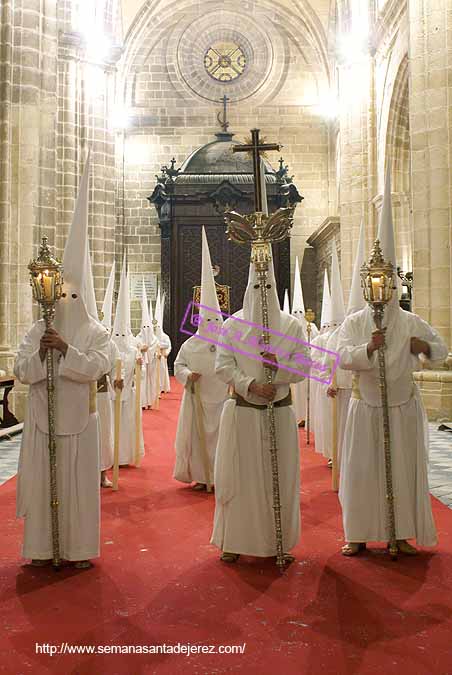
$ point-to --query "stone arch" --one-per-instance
(397, 159)
(302, 28)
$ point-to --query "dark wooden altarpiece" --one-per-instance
(210, 181)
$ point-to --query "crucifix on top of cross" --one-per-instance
(257, 228)
(255, 148)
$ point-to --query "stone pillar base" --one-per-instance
(19, 396)
(436, 390)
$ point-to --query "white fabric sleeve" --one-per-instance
(227, 370)
(353, 356)
(290, 376)
(438, 348)
(28, 367)
(181, 369)
(86, 366)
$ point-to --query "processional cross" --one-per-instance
(261, 231)
(256, 147)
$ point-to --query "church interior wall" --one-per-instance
(174, 108)
(343, 119)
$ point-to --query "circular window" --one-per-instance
(225, 61)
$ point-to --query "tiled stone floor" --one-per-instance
(9, 457)
(440, 470)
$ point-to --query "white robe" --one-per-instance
(196, 356)
(363, 486)
(165, 345)
(105, 412)
(299, 390)
(321, 405)
(127, 433)
(244, 517)
(148, 370)
(77, 432)
(344, 389)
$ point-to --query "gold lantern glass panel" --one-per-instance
(46, 276)
(377, 278)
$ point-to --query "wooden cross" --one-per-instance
(256, 147)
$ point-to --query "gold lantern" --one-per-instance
(46, 280)
(377, 278)
(46, 276)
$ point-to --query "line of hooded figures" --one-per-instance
(222, 440)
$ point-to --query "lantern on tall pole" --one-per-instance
(377, 280)
(46, 280)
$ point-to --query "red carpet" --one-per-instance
(160, 582)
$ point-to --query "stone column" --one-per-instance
(430, 28)
(6, 48)
(357, 164)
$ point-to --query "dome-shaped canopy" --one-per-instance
(217, 158)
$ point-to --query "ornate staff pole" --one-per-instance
(261, 231)
(377, 279)
(46, 279)
(310, 317)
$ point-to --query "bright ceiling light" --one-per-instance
(328, 106)
(353, 46)
(98, 45)
(120, 118)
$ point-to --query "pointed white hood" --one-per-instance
(337, 294)
(356, 300)
(129, 325)
(158, 330)
(297, 300)
(211, 318)
(107, 306)
(325, 319)
(90, 294)
(162, 307)
(386, 224)
(387, 237)
(286, 305)
(151, 314)
(209, 296)
(394, 319)
(72, 311)
(121, 332)
(252, 306)
(158, 308)
(147, 329)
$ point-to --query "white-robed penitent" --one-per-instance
(196, 440)
(244, 516)
(77, 424)
(127, 346)
(321, 405)
(148, 340)
(363, 485)
(299, 390)
(343, 379)
(104, 385)
(164, 343)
